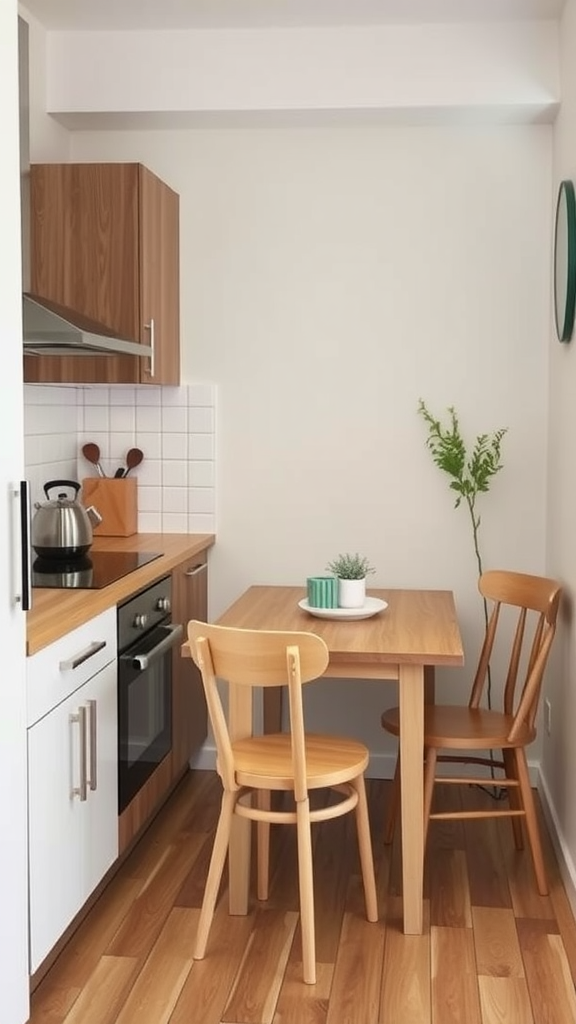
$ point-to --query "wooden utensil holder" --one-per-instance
(116, 501)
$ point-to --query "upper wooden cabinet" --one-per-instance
(104, 241)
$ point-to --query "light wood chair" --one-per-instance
(524, 610)
(293, 762)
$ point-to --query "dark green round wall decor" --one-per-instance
(565, 261)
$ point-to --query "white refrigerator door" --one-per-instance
(13, 848)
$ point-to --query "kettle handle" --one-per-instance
(61, 483)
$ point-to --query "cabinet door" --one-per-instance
(84, 255)
(189, 601)
(72, 842)
(160, 279)
(84, 241)
(104, 242)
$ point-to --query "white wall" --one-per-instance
(330, 277)
(48, 140)
(426, 73)
(558, 769)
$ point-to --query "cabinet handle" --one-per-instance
(197, 569)
(152, 368)
(143, 661)
(79, 659)
(23, 596)
(81, 790)
(93, 710)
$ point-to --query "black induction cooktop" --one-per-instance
(93, 571)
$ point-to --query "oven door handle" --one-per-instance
(143, 661)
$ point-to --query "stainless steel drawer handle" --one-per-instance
(151, 371)
(82, 789)
(79, 659)
(93, 710)
(197, 569)
(143, 661)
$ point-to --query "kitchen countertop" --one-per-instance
(56, 612)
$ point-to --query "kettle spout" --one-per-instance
(93, 515)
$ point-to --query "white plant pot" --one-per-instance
(351, 593)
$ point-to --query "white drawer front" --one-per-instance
(56, 671)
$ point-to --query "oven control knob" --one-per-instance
(163, 604)
(140, 620)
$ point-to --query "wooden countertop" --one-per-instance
(55, 612)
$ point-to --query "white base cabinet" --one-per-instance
(72, 780)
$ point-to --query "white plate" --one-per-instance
(371, 606)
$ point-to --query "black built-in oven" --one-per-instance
(146, 636)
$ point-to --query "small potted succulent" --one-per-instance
(351, 571)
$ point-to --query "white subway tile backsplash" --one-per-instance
(149, 418)
(60, 447)
(202, 499)
(149, 395)
(123, 418)
(44, 394)
(174, 397)
(32, 450)
(35, 420)
(201, 474)
(96, 419)
(201, 524)
(174, 446)
(149, 473)
(174, 427)
(174, 499)
(96, 394)
(201, 446)
(149, 522)
(150, 443)
(175, 473)
(201, 420)
(174, 522)
(149, 498)
(120, 395)
(174, 419)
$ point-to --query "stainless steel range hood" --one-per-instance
(55, 330)
(49, 329)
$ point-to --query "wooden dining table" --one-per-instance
(416, 631)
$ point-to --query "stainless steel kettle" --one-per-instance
(62, 527)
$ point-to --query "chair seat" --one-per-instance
(266, 761)
(463, 728)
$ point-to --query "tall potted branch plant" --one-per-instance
(471, 473)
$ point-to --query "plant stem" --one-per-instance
(470, 501)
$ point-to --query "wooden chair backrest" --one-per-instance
(256, 658)
(533, 603)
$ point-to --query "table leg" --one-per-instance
(240, 726)
(429, 684)
(272, 708)
(411, 693)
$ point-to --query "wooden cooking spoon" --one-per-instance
(133, 458)
(91, 452)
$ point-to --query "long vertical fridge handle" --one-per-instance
(23, 594)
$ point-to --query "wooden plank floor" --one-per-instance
(493, 951)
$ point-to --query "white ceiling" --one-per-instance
(175, 14)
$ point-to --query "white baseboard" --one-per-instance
(563, 855)
(205, 758)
